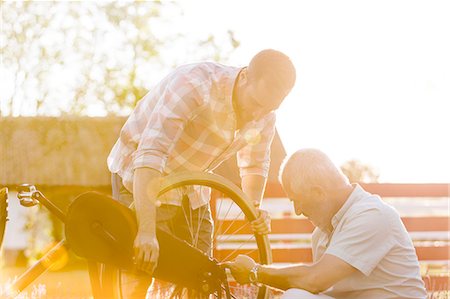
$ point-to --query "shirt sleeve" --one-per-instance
(178, 102)
(254, 158)
(364, 240)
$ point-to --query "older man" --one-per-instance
(361, 249)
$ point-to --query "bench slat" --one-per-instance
(420, 224)
(304, 255)
(303, 225)
(382, 189)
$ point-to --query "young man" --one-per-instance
(360, 247)
(194, 119)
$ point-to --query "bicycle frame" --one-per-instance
(29, 196)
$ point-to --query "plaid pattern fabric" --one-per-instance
(187, 122)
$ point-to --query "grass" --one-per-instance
(51, 285)
(74, 284)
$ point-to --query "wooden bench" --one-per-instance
(290, 237)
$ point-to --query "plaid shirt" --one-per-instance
(187, 122)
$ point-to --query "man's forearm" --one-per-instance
(254, 186)
(283, 278)
(145, 190)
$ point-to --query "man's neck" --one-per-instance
(342, 194)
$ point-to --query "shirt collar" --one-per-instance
(356, 194)
(228, 85)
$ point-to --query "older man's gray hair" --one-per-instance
(309, 167)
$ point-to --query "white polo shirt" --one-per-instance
(370, 236)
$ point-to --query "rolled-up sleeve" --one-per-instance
(254, 158)
(178, 102)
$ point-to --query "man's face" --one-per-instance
(258, 99)
(309, 203)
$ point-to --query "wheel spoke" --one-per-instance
(235, 207)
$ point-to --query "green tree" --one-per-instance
(89, 57)
(356, 171)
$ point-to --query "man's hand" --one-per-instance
(145, 189)
(240, 268)
(262, 224)
(146, 251)
(253, 186)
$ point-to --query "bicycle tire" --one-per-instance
(111, 277)
(3, 212)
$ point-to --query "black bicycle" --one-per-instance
(102, 230)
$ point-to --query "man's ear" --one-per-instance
(243, 76)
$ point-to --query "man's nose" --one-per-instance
(302, 214)
(298, 211)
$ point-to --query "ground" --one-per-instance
(72, 284)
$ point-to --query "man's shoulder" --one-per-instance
(204, 72)
(373, 209)
(205, 66)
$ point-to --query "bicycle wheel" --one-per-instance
(3, 212)
(232, 235)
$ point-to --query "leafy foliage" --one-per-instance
(92, 57)
(356, 171)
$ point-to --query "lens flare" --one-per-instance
(252, 136)
(57, 258)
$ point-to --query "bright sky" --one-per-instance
(373, 76)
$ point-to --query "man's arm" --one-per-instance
(145, 190)
(253, 186)
(178, 102)
(314, 278)
(254, 163)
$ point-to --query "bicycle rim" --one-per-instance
(3, 212)
(232, 215)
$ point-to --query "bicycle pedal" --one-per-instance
(25, 195)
